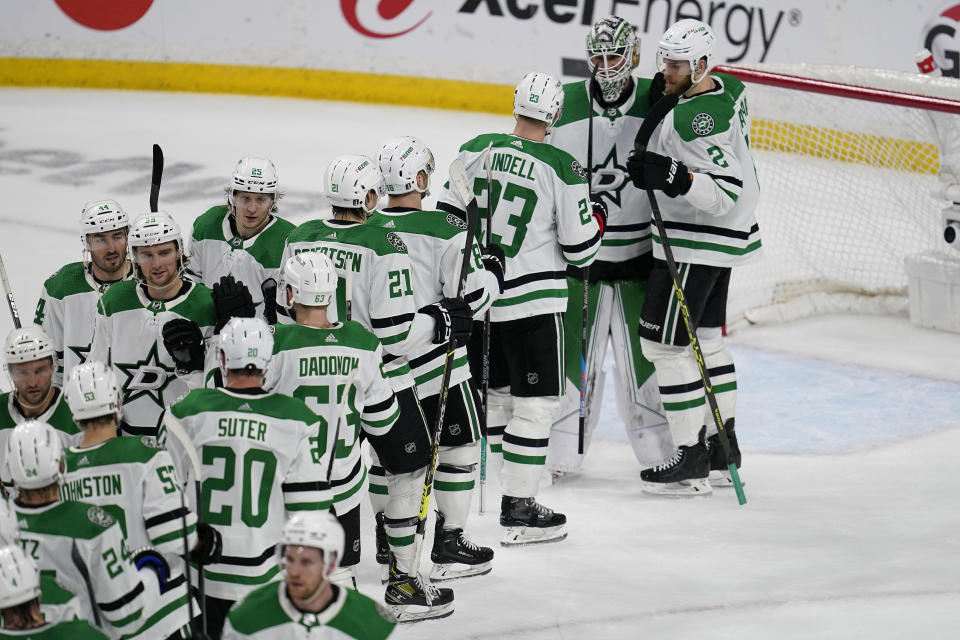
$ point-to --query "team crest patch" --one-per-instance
(397, 243)
(150, 442)
(96, 515)
(455, 221)
(577, 169)
(702, 124)
(410, 447)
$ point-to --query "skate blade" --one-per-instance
(722, 480)
(684, 489)
(416, 613)
(518, 536)
(456, 570)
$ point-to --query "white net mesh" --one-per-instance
(846, 194)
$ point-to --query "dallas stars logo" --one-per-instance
(148, 377)
(609, 178)
(80, 352)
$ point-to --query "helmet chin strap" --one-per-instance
(26, 405)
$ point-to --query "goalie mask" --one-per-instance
(688, 40)
(92, 391)
(19, 577)
(401, 160)
(612, 47)
(539, 97)
(311, 278)
(349, 180)
(254, 175)
(34, 455)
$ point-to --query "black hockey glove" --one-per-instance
(452, 316)
(184, 342)
(660, 173)
(150, 558)
(657, 85)
(269, 291)
(209, 547)
(494, 261)
(231, 299)
(599, 211)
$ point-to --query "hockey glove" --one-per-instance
(657, 85)
(494, 261)
(184, 342)
(663, 173)
(599, 211)
(150, 558)
(269, 291)
(209, 547)
(231, 299)
(452, 316)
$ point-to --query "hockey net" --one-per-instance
(850, 161)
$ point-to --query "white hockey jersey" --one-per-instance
(262, 456)
(435, 241)
(67, 311)
(627, 232)
(57, 416)
(541, 218)
(715, 222)
(129, 337)
(134, 480)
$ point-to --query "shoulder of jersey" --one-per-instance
(198, 306)
(708, 114)
(309, 231)
(72, 519)
(362, 616)
(481, 142)
(69, 280)
(116, 451)
(295, 336)
(6, 421)
(121, 296)
(575, 107)
(436, 224)
(564, 165)
(259, 610)
(375, 238)
(209, 224)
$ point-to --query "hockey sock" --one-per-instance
(723, 375)
(401, 513)
(454, 482)
(498, 415)
(681, 389)
(525, 443)
(377, 488)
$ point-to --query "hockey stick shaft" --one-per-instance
(485, 345)
(155, 177)
(458, 180)
(585, 315)
(11, 302)
(664, 105)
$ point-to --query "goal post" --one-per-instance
(855, 166)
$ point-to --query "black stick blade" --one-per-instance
(155, 178)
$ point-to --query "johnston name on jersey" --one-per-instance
(715, 222)
(129, 336)
(542, 219)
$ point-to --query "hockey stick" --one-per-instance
(460, 183)
(14, 312)
(656, 115)
(585, 318)
(186, 554)
(155, 178)
(176, 429)
(485, 376)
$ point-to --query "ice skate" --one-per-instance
(719, 473)
(412, 599)
(455, 556)
(529, 522)
(685, 474)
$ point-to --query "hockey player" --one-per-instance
(67, 307)
(314, 360)
(543, 219)
(618, 277)
(20, 606)
(435, 242)
(243, 238)
(260, 455)
(153, 329)
(134, 480)
(701, 161)
(79, 542)
(307, 597)
(375, 266)
(30, 362)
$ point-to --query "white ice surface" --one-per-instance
(850, 426)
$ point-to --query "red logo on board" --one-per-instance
(105, 15)
(386, 9)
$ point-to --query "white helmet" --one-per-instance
(539, 96)
(614, 40)
(27, 344)
(254, 175)
(92, 391)
(19, 577)
(348, 180)
(9, 527)
(312, 279)
(688, 40)
(101, 215)
(318, 529)
(151, 229)
(246, 342)
(401, 161)
(34, 455)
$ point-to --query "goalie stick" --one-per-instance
(485, 368)
(155, 177)
(14, 311)
(585, 317)
(650, 122)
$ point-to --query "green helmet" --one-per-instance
(613, 47)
